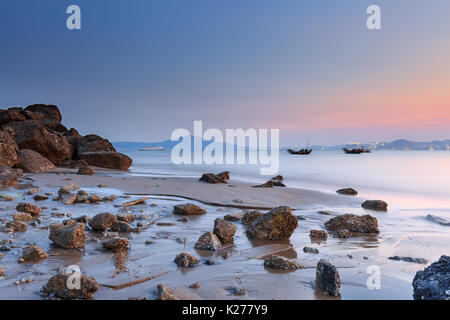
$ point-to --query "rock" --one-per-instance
(188, 209)
(8, 150)
(268, 184)
(126, 217)
(94, 198)
(31, 161)
(409, 259)
(210, 262)
(353, 223)
(238, 291)
(164, 293)
(86, 171)
(310, 250)
(32, 209)
(73, 136)
(301, 218)
(2, 270)
(75, 164)
(250, 216)
(33, 135)
(344, 233)
(50, 112)
(39, 197)
(17, 226)
(32, 253)
(327, 278)
(348, 192)
(278, 181)
(184, 219)
(281, 263)
(233, 217)
(375, 205)
(58, 286)
(208, 241)
(224, 175)
(32, 191)
(11, 115)
(195, 285)
(68, 198)
(116, 244)
(212, 178)
(186, 260)
(8, 176)
(22, 217)
(439, 220)
(94, 143)
(6, 197)
(68, 237)
(318, 234)
(433, 283)
(325, 213)
(102, 221)
(224, 230)
(68, 187)
(121, 226)
(278, 224)
(106, 159)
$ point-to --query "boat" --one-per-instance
(356, 150)
(301, 151)
(152, 149)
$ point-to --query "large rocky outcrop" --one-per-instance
(105, 159)
(433, 283)
(32, 161)
(278, 224)
(32, 134)
(8, 150)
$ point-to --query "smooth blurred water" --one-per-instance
(422, 178)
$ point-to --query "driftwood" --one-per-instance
(133, 283)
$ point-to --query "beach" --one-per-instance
(237, 265)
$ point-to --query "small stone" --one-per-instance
(233, 217)
(68, 237)
(238, 291)
(301, 218)
(32, 191)
(186, 260)
(188, 209)
(57, 286)
(17, 226)
(164, 293)
(310, 250)
(39, 197)
(32, 253)
(318, 234)
(281, 263)
(184, 219)
(224, 230)
(326, 213)
(68, 198)
(375, 205)
(126, 217)
(121, 226)
(116, 244)
(32, 209)
(2, 270)
(102, 221)
(348, 192)
(86, 171)
(94, 198)
(409, 259)
(20, 216)
(208, 241)
(327, 278)
(195, 285)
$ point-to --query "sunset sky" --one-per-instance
(140, 69)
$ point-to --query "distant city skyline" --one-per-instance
(138, 70)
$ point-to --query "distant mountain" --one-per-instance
(401, 144)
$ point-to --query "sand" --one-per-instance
(239, 265)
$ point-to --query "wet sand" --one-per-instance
(403, 232)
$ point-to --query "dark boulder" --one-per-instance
(278, 224)
(105, 159)
(34, 162)
(188, 209)
(433, 283)
(375, 205)
(353, 223)
(318, 234)
(72, 236)
(208, 241)
(224, 230)
(102, 221)
(11, 115)
(186, 260)
(33, 135)
(59, 287)
(51, 112)
(327, 278)
(280, 263)
(212, 178)
(348, 192)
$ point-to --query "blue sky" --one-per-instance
(139, 69)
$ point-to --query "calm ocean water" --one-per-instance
(417, 179)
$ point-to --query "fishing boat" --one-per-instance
(356, 150)
(301, 151)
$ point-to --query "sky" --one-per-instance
(137, 70)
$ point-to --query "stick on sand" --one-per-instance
(132, 283)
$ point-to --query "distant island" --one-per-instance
(401, 144)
